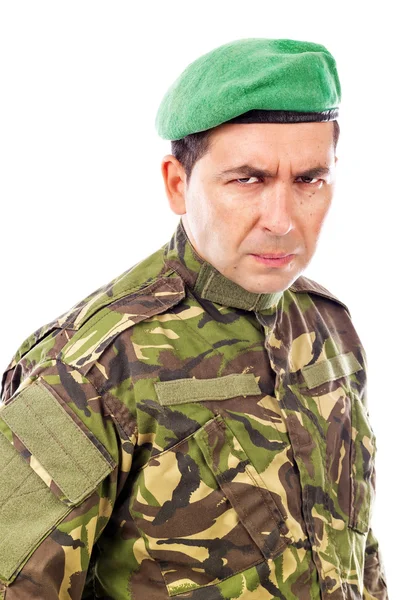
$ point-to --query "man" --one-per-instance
(198, 427)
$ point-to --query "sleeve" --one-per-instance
(375, 586)
(60, 474)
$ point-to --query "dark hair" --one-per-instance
(192, 147)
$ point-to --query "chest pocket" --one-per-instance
(202, 508)
(337, 386)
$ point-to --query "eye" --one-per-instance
(244, 179)
(311, 180)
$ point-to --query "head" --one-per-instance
(277, 204)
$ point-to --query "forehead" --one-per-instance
(271, 140)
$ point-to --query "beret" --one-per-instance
(273, 80)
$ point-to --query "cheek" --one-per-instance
(211, 222)
(315, 217)
(201, 212)
(221, 216)
(315, 206)
(312, 225)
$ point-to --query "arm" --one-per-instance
(375, 587)
(60, 475)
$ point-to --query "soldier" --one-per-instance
(198, 427)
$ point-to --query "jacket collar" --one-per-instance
(205, 281)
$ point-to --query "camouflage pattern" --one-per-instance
(238, 456)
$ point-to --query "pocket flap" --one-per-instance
(180, 391)
(244, 487)
(330, 369)
(51, 436)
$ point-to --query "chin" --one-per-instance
(267, 290)
(280, 284)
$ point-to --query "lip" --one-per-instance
(277, 255)
(274, 260)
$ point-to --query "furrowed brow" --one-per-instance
(249, 171)
(315, 172)
(246, 170)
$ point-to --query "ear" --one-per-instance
(174, 182)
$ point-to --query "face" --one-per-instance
(261, 189)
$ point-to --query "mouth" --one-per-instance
(271, 255)
(274, 260)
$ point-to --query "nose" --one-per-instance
(276, 209)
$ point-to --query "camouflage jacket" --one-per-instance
(173, 435)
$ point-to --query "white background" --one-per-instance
(81, 193)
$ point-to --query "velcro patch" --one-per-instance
(28, 509)
(330, 369)
(50, 434)
(179, 391)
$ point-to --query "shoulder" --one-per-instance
(79, 335)
(309, 286)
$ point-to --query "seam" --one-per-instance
(195, 330)
(251, 476)
(81, 433)
(44, 530)
(255, 562)
(246, 514)
(221, 426)
(29, 476)
(357, 523)
(182, 275)
(52, 362)
(282, 544)
(259, 488)
(156, 284)
(313, 290)
(5, 465)
(329, 487)
(177, 384)
(208, 282)
(127, 288)
(353, 419)
(61, 445)
(155, 456)
(281, 434)
(305, 371)
(100, 394)
(153, 283)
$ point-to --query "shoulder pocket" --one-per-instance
(180, 391)
(330, 369)
(363, 475)
(348, 439)
(48, 465)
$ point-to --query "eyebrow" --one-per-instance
(250, 171)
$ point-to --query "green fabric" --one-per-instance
(338, 366)
(56, 441)
(299, 468)
(259, 504)
(213, 285)
(27, 506)
(248, 74)
(217, 388)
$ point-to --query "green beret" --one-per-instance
(273, 80)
